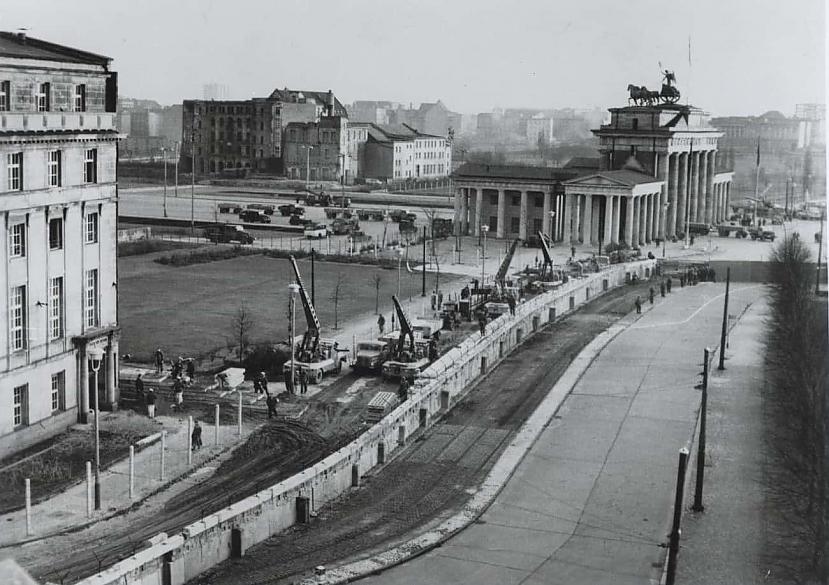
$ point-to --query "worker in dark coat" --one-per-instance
(196, 437)
(662, 288)
(650, 295)
(668, 284)
(638, 304)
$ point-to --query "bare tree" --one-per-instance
(377, 279)
(336, 293)
(242, 323)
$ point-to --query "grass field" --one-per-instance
(189, 310)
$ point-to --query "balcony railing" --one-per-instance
(49, 121)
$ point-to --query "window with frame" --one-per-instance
(55, 308)
(515, 224)
(21, 405)
(91, 301)
(17, 240)
(90, 165)
(515, 200)
(17, 317)
(54, 168)
(56, 233)
(91, 231)
(80, 97)
(14, 166)
(59, 391)
(5, 96)
(42, 97)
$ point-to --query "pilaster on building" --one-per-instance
(58, 207)
(656, 171)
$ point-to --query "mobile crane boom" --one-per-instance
(501, 275)
(545, 250)
(311, 339)
(405, 329)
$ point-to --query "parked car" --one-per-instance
(318, 231)
(291, 209)
(342, 226)
(374, 182)
(699, 229)
(254, 216)
(226, 233)
(230, 208)
(298, 220)
(268, 209)
(762, 235)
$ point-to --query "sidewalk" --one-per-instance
(724, 543)
(68, 510)
(591, 501)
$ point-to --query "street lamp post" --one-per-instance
(293, 288)
(96, 355)
(193, 183)
(552, 226)
(176, 155)
(665, 234)
(399, 258)
(164, 156)
(484, 230)
(308, 150)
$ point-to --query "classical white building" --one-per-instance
(58, 207)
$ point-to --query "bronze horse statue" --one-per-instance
(642, 95)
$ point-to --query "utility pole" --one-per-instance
(673, 545)
(423, 269)
(164, 156)
(688, 191)
(703, 414)
(313, 253)
(193, 182)
(724, 320)
(819, 251)
(175, 191)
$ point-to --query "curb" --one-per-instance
(495, 481)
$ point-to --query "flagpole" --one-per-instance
(688, 192)
(757, 182)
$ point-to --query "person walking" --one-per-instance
(662, 288)
(650, 294)
(511, 303)
(668, 284)
(159, 361)
(178, 389)
(303, 381)
(151, 403)
(191, 368)
(271, 401)
(289, 383)
(139, 389)
(195, 438)
(263, 383)
(381, 323)
(638, 303)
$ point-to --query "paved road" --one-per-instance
(437, 473)
(591, 501)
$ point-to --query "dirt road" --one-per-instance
(437, 473)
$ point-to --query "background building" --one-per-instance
(58, 145)
(401, 152)
(316, 150)
(149, 128)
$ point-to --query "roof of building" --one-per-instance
(583, 162)
(291, 95)
(21, 46)
(623, 177)
(481, 170)
(396, 132)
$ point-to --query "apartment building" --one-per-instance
(58, 207)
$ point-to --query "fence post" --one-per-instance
(89, 489)
(28, 507)
(132, 472)
(163, 447)
(724, 320)
(673, 546)
(189, 441)
(240, 414)
(698, 507)
(216, 426)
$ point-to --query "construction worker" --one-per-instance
(271, 401)
(638, 303)
(668, 284)
(650, 294)
(381, 323)
(403, 390)
(303, 381)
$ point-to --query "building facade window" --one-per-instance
(56, 233)
(80, 98)
(14, 166)
(21, 405)
(17, 317)
(90, 165)
(59, 391)
(515, 224)
(5, 96)
(91, 301)
(17, 240)
(54, 168)
(56, 308)
(42, 97)
(91, 231)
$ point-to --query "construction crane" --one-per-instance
(403, 363)
(501, 275)
(311, 338)
(405, 331)
(548, 258)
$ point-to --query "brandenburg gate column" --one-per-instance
(681, 192)
(522, 227)
(608, 219)
(694, 188)
(587, 221)
(634, 232)
(597, 210)
(502, 213)
(670, 221)
(665, 175)
(702, 207)
(567, 236)
(479, 207)
(617, 206)
(458, 207)
(629, 221)
(547, 226)
(709, 187)
(650, 215)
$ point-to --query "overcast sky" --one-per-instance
(747, 56)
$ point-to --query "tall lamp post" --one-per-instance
(176, 155)
(193, 183)
(308, 150)
(399, 258)
(484, 230)
(164, 156)
(293, 289)
(552, 226)
(96, 355)
(665, 235)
